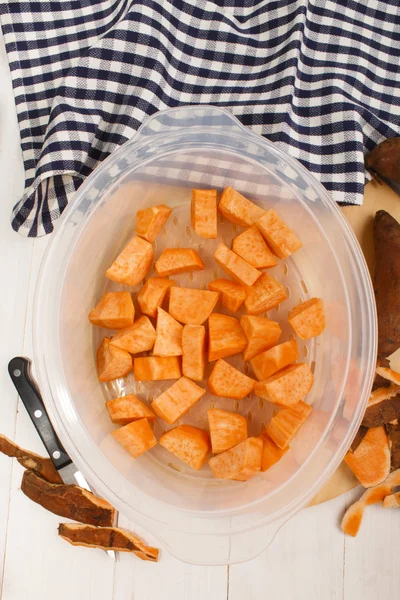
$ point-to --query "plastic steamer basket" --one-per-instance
(200, 519)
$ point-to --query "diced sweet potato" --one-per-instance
(227, 429)
(264, 294)
(112, 362)
(226, 336)
(193, 351)
(238, 209)
(150, 221)
(370, 462)
(287, 423)
(250, 245)
(114, 311)
(190, 306)
(136, 437)
(152, 294)
(156, 368)
(204, 213)
(277, 234)
(231, 294)
(261, 334)
(228, 382)
(137, 338)
(288, 386)
(190, 444)
(169, 335)
(177, 400)
(133, 264)
(308, 319)
(126, 409)
(271, 453)
(273, 360)
(178, 260)
(240, 462)
(234, 266)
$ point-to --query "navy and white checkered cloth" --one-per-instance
(320, 77)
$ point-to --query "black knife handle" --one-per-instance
(19, 369)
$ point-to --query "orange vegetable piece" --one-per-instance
(226, 336)
(177, 400)
(114, 311)
(136, 437)
(152, 294)
(392, 501)
(178, 260)
(156, 368)
(261, 334)
(190, 306)
(133, 264)
(277, 234)
(193, 351)
(264, 294)
(126, 409)
(150, 221)
(251, 246)
(308, 319)
(227, 429)
(238, 209)
(231, 294)
(287, 423)
(271, 453)
(240, 462)
(234, 266)
(288, 386)
(204, 213)
(228, 382)
(169, 335)
(137, 338)
(190, 444)
(269, 362)
(370, 461)
(112, 362)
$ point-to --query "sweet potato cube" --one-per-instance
(193, 351)
(114, 311)
(190, 306)
(250, 245)
(112, 362)
(178, 260)
(231, 294)
(287, 423)
(234, 266)
(133, 264)
(308, 319)
(288, 386)
(177, 400)
(273, 360)
(156, 368)
(227, 429)
(277, 234)
(228, 382)
(261, 334)
(150, 221)
(238, 209)
(370, 461)
(136, 437)
(169, 335)
(137, 338)
(126, 409)
(152, 294)
(204, 213)
(264, 294)
(226, 336)
(190, 444)
(271, 453)
(240, 462)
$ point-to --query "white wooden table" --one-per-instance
(310, 559)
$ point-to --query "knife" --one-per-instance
(19, 369)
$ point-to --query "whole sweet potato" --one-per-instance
(384, 159)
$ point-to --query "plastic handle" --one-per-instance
(19, 369)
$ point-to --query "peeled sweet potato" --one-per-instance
(370, 462)
(169, 335)
(128, 408)
(273, 360)
(156, 368)
(226, 336)
(271, 453)
(261, 334)
(234, 266)
(112, 362)
(383, 160)
(228, 382)
(136, 437)
(264, 294)
(30, 460)
(279, 237)
(308, 319)
(227, 429)
(150, 221)
(152, 294)
(288, 386)
(238, 209)
(133, 264)
(178, 260)
(190, 444)
(250, 246)
(284, 426)
(191, 306)
(193, 351)
(240, 462)
(137, 338)
(231, 293)
(204, 213)
(114, 311)
(177, 400)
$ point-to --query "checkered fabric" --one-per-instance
(319, 77)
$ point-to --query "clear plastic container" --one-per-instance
(200, 519)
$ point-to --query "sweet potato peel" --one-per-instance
(30, 460)
(392, 501)
(388, 374)
(383, 407)
(393, 431)
(370, 462)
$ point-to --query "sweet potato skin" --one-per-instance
(30, 460)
